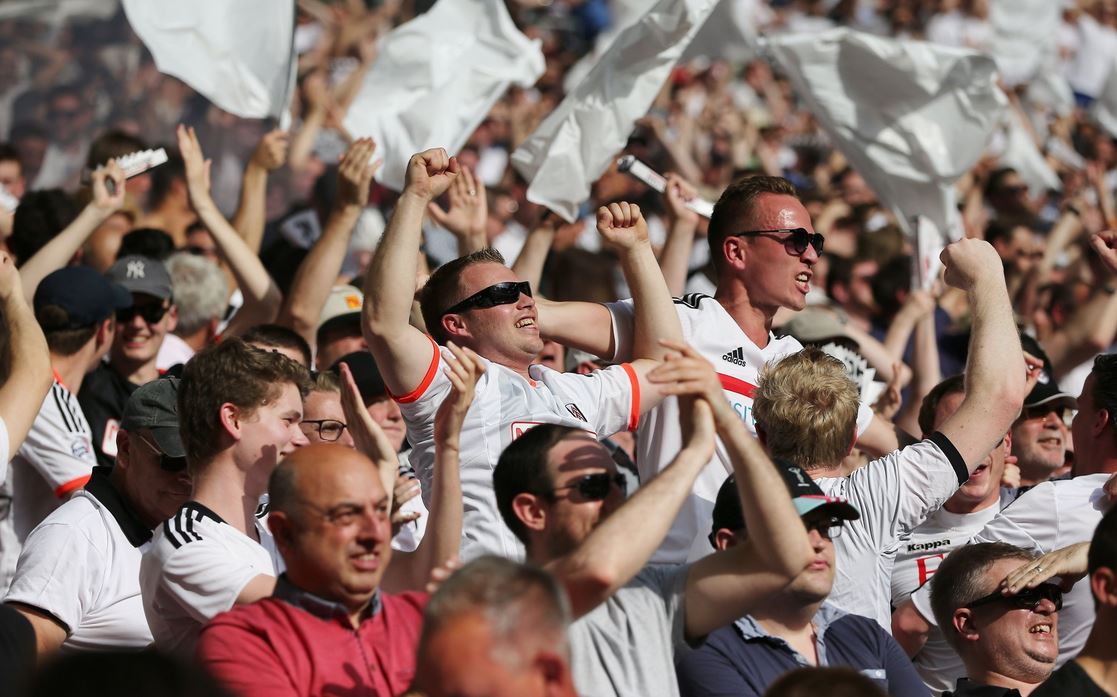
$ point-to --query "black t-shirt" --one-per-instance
(1070, 680)
(969, 688)
(103, 394)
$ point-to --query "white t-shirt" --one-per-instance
(1050, 516)
(916, 561)
(55, 460)
(506, 405)
(717, 337)
(5, 456)
(82, 566)
(894, 495)
(195, 568)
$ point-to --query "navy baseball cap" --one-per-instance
(805, 494)
(1046, 390)
(85, 295)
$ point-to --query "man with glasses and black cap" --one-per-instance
(140, 330)
(795, 626)
(478, 302)
(78, 580)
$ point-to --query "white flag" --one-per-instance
(1016, 148)
(911, 117)
(436, 78)
(1024, 33)
(576, 142)
(236, 53)
(1105, 108)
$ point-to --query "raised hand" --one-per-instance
(108, 203)
(197, 166)
(468, 214)
(406, 489)
(1070, 563)
(368, 437)
(622, 225)
(684, 372)
(463, 370)
(1104, 244)
(271, 151)
(430, 173)
(969, 260)
(678, 194)
(354, 174)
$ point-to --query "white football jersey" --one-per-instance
(713, 333)
(195, 568)
(505, 405)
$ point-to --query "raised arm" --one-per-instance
(533, 255)
(995, 371)
(729, 584)
(29, 375)
(261, 296)
(682, 223)
(402, 352)
(444, 525)
(58, 252)
(251, 215)
(320, 269)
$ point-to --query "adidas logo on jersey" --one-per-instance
(736, 356)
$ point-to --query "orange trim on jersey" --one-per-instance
(72, 485)
(728, 382)
(634, 413)
(427, 379)
(58, 379)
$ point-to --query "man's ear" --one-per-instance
(1103, 583)
(964, 624)
(231, 419)
(281, 530)
(530, 510)
(1101, 420)
(555, 673)
(454, 326)
(123, 449)
(734, 253)
(172, 318)
(724, 538)
(106, 330)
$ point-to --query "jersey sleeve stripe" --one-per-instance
(62, 411)
(634, 411)
(72, 485)
(169, 534)
(952, 454)
(432, 370)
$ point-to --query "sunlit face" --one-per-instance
(1082, 429)
(322, 405)
(271, 432)
(153, 492)
(1040, 442)
(386, 413)
(339, 540)
(772, 276)
(571, 517)
(506, 334)
(138, 340)
(984, 483)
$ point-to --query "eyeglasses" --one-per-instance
(1064, 414)
(1027, 599)
(595, 487)
(797, 241)
(828, 528)
(499, 294)
(328, 429)
(150, 313)
(166, 462)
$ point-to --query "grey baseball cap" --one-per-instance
(141, 274)
(154, 407)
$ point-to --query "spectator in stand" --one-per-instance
(339, 326)
(78, 580)
(11, 171)
(559, 490)
(201, 296)
(279, 339)
(796, 626)
(140, 330)
(806, 409)
(240, 409)
(1008, 643)
(329, 612)
(496, 628)
(1041, 435)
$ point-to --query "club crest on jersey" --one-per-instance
(736, 356)
(576, 412)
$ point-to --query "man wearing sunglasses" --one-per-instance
(1041, 434)
(764, 248)
(140, 330)
(795, 626)
(477, 302)
(78, 577)
(1008, 643)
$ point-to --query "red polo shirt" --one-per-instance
(295, 643)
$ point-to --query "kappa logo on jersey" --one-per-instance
(576, 412)
(736, 356)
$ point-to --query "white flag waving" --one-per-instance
(437, 76)
(576, 142)
(237, 53)
(911, 117)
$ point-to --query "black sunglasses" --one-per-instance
(829, 528)
(797, 241)
(166, 462)
(595, 487)
(151, 313)
(1065, 414)
(499, 294)
(1027, 599)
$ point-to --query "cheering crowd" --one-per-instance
(268, 427)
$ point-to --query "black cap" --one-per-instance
(154, 407)
(805, 494)
(365, 374)
(1046, 390)
(142, 275)
(85, 295)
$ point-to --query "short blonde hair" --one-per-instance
(806, 406)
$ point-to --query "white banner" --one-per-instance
(1024, 33)
(576, 142)
(1105, 109)
(1015, 146)
(236, 53)
(911, 117)
(436, 77)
